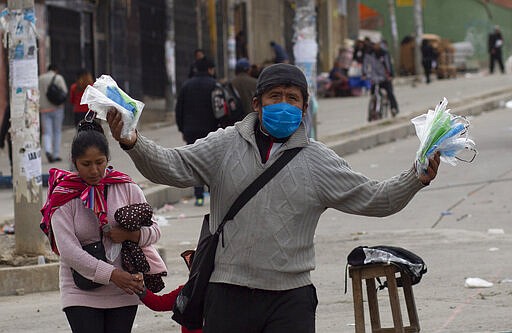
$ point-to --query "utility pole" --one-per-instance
(394, 32)
(305, 52)
(231, 47)
(418, 24)
(24, 102)
(170, 59)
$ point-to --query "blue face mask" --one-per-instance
(281, 120)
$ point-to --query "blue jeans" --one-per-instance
(51, 123)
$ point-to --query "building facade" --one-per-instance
(147, 46)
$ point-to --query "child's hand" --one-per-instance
(139, 278)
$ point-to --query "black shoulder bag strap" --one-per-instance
(257, 184)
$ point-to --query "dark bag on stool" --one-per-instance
(97, 250)
(408, 262)
(189, 306)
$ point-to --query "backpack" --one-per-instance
(55, 94)
(227, 105)
(405, 260)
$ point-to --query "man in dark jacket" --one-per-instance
(194, 111)
(495, 47)
(281, 56)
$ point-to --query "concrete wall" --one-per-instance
(331, 32)
(265, 23)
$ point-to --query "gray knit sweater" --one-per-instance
(269, 244)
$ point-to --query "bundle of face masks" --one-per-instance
(438, 130)
(105, 94)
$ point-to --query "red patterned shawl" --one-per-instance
(64, 186)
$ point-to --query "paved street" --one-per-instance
(460, 225)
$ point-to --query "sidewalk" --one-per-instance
(341, 124)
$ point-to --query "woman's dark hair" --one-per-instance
(89, 134)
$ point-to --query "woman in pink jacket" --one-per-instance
(80, 210)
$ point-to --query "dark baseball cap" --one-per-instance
(282, 75)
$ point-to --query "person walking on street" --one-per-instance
(76, 91)
(428, 56)
(78, 208)
(378, 68)
(52, 116)
(244, 84)
(194, 111)
(262, 273)
(495, 46)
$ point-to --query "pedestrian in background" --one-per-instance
(344, 56)
(338, 77)
(378, 68)
(244, 83)
(198, 55)
(78, 206)
(280, 54)
(428, 58)
(76, 91)
(261, 280)
(254, 71)
(360, 50)
(52, 116)
(194, 110)
(495, 45)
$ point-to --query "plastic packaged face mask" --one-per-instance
(105, 94)
(441, 131)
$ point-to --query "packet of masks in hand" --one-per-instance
(104, 94)
(439, 130)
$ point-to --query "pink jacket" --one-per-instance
(74, 225)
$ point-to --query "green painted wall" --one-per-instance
(456, 20)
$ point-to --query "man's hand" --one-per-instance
(428, 175)
(115, 122)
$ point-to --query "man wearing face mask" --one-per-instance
(261, 281)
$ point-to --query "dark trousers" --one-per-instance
(199, 192)
(388, 87)
(83, 319)
(235, 309)
(496, 57)
(427, 68)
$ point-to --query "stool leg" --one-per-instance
(410, 303)
(393, 299)
(373, 304)
(357, 292)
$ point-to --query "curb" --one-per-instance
(29, 279)
(385, 131)
(159, 195)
